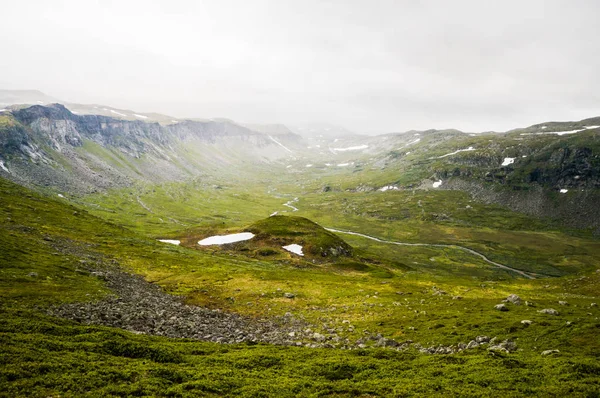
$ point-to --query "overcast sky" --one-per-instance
(371, 66)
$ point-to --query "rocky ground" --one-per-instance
(142, 307)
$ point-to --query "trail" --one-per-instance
(466, 249)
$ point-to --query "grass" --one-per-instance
(385, 289)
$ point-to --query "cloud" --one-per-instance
(370, 66)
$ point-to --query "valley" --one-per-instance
(413, 247)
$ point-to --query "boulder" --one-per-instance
(501, 307)
(549, 352)
(549, 311)
(526, 322)
(514, 299)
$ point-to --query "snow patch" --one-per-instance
(274, 214)
(3, 110)
(60, 195)
(437, 184)
(564, 190)
(544, 127)
(224, 239)
(389, 188)
(507, 161)
(280, 144)
(455, 152)
(140, 116)
(309, 165)
(288, 166)
(294, 248)
(3, 166)
(343, 164)
(351, 148)
(171, 241)
(117, 113)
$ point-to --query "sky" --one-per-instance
(371, 66)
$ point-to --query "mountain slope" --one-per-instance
(51, 146)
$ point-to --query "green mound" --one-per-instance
(274, 232)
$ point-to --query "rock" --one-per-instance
(505, 346)
(318, 337)
(514, 299)
(563, 303)
(289, 295)
(472, 344)
(501, 307)
(33, 274)
(482, 339)
(526, 322)
(456, 297)
(549, 352)
(593, 305)
(549, 311)
(529, 304)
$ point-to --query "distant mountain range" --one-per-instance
(548, 169)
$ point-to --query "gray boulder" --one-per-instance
(549, 311)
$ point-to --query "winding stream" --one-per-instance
(466, 249)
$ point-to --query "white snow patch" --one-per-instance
(458, 151)
(117, 113)
(3, 166)
(351, 148)
(274, 214)
(294, 248)
(280, 144)
(524, 156)
(544, 127)
(328, 164)
(171, 241)
(564, 190)
(288, 166)
(75, 112)
(437, 184)
(507, 161)
(224, 239)
(309, 165)
(3, 110)
(389, 188)
(408, 153)
(60, 195)
(563, 132)
(140, 116)
(343, 164)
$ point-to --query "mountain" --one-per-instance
(15, 97)
(51, 146)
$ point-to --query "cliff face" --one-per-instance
(49, 145)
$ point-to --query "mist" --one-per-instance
(372, 67)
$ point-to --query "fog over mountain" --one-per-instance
(371, 67)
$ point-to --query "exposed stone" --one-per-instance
(289, 295)
(501, 307)
(472, 344)
(550, 352)
(514, 299)
(563, 303)
(526, 322)
(549, 311)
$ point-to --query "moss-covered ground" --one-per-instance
(46, 244)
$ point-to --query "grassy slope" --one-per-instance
(43, 356)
